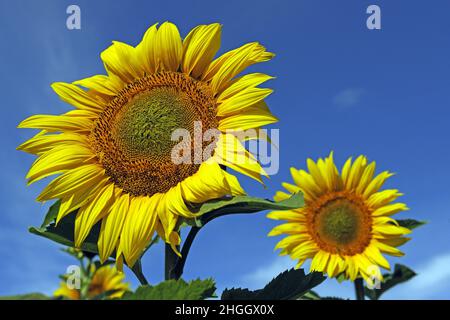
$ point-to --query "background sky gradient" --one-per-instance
(338, 86)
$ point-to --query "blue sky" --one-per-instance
(339, 86)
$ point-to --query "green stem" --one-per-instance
(179, 267)
(359, 289)
(137, 270)
(171, 259)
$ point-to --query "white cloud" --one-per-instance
(262, 276)
(349, 97)
(432, 281)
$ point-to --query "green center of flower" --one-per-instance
(146, 124)
(339, 222)
(132, 137)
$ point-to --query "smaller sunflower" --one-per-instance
(105, 279)
(346, 223)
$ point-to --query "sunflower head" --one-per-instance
(105, 280)
(113, 154)
(346, 223)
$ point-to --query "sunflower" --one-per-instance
(345, 224)
(106, 280)
(113, 152)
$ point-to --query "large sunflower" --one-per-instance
(113, 152)
(346, 223)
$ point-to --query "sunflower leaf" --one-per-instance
(175, 290)
(63, 233)
(400, 275)
(410, 223)
(242, 204)
(288, 285)
(51, 214)
(310, 295)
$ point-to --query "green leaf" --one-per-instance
(175, 290)
(288, 285)
(410, 223)
(341, 277)
(242, 204)
(28, 296)
(310, 295)
(63, 233)
(51, 214)
(400, 275)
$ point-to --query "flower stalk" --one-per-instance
(359, 289)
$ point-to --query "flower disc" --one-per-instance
(133, 136)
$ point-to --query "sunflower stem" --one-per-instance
(179, 267)
(359, 289)
(171, 260)
(137, 270)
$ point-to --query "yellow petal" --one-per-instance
(245, 99)
(139, 227)
(352, 269)
(112, 226)
(319, 262)
(58, 159)
(374, 254)
(390, 230)
(66, 122)
(388, 249)
(366, 178)
(288, 228)
(199, 48)
(251, 117)
(170, 48)
(77, 97)
(209, 182)
(72, 181)
(355, 172)
(280, 196)
(92, 212)
(226, 67)
(290, 215)
(167, 218)
(316, 174)
(346, 170)
(307, 184)
(304, 250)
(243, 83)
(394, 242)
(100, 83)
(175, 202)
(334, 266)
(390, 209)
(230, 152)
(292, 240)
(120, 60)
(383, 198)
(145, 51)
(376, 183)
(43, 142)
(72, 202)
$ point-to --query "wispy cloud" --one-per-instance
(432, 281)
(348, 98)
(261, 276)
